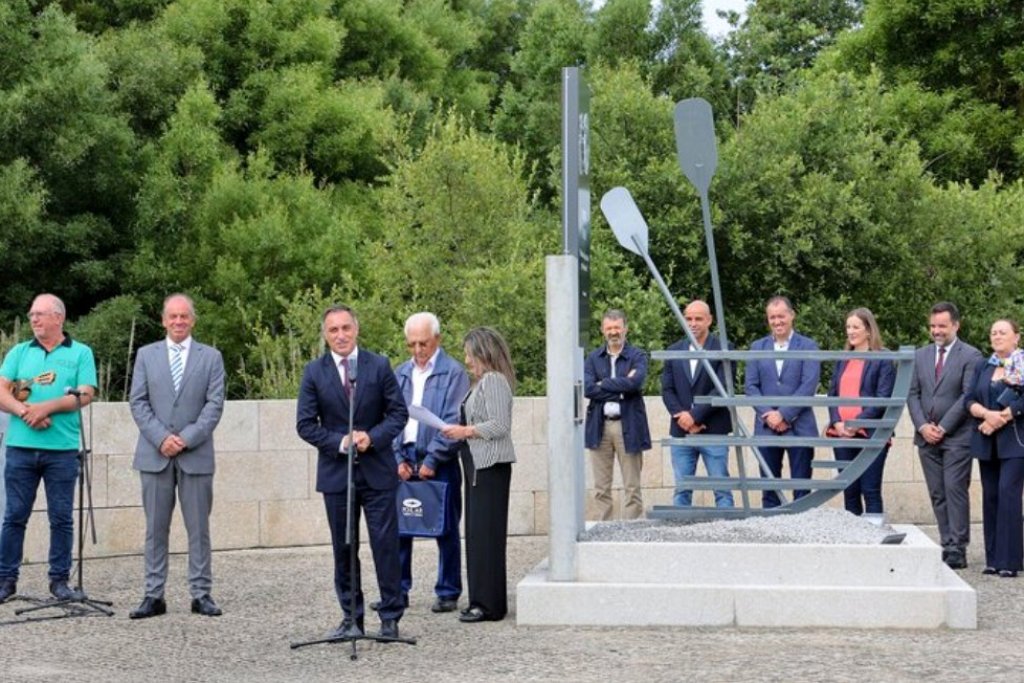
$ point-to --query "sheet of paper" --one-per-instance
(425, 417)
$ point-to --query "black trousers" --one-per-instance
(487, 493)
(1002, 482)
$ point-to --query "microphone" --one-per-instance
(71, 391)
(353, 372)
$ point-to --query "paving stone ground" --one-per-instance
(274, 597)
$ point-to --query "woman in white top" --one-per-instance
(487, 457)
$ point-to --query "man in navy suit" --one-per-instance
(328, 386)
(783, 377)
(681, 382)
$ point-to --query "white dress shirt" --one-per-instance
(185, 345)
(781, 346)
(419, 382)
(352, 358)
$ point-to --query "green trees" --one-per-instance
(830, 204)
(268, 157)
(67, 159)
(779, 38)
(970, 57)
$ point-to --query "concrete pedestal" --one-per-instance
(731, 584)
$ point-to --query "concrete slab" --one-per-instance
(754, 584)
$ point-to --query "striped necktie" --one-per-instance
(177, 367)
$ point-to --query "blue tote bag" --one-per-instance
(421, 505)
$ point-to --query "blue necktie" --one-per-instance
(177, 367)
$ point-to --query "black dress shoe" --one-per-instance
(472, 615)
(149, 607)
(955, 559)
(445, 605)
(61, 591)
(1007, 573)
(388, 628)
(349, 628)
(989, 571)
(206, 606)
(8, 587)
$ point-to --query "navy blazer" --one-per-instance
(600, 388)
(678, 389)
(799, 378)
(443, 392)
(322, 419)
(876, 381)
(1005, 443)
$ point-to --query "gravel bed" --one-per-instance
(821, 525)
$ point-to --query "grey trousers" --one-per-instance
(947, 473)
(195, 493)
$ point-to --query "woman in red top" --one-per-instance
(861, 378)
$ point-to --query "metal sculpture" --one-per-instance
(698, 159)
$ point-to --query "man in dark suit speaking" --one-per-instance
(323, 421)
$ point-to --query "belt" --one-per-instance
(613, 419)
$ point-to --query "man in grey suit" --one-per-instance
(176, 400)
(943, 372)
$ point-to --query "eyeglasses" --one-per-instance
(39, 314)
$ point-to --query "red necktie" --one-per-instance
(347, 383)
(940, 363)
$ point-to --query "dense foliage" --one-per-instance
(270, 156)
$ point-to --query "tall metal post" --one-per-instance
(565, 431)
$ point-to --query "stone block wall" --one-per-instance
(264, 488)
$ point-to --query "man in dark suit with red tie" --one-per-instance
(943, 373)
(322, 420)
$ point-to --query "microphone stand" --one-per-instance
(350, 540)
(80, 605)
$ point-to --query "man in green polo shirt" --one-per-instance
(43, 439)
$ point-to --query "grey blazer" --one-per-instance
(943, 402)
(192, 413)
(489, 409)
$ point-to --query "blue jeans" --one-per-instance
(24, 468)
(684, 464)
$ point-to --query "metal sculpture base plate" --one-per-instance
(754, 585)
